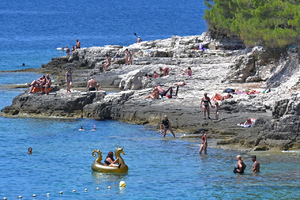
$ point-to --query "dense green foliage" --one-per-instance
(270, 23)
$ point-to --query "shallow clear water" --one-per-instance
(159, 167)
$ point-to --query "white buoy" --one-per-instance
(85, 190)
(33, 195)
(74, 190)
(108, 187)
(97, 188)
(61, 192)
(122, 184)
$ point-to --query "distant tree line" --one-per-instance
(269, 23)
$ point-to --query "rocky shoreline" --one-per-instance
(277, 112)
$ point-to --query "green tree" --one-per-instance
(270, 23)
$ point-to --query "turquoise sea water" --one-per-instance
(159, 168)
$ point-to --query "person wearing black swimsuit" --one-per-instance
(167, 126)
(205, 101)
(110, 161)
(240, 166)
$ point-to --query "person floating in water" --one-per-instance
(256, 165)
(204, 142)
(240, 166)
(94, 129)
(167, 125)
(110, 161)
(81, 128)
(29, 150)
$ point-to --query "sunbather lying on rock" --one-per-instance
(181, 83)
(248, 123)
(154, 95)
(219, 97)
(38, 83)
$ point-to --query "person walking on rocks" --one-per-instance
(68, 51)
(204, 142)
(256, 165)
(68, 77)
(205, 101)
(167, 125)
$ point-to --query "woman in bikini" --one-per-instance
(205, 101)
(110, 161)
(69, 80)
(204, 143)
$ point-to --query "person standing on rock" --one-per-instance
(138, 40)
(204, 142)
(167, 125)
(256, 165)
(91, 85)
(77, 45)
(205, 101)
(68, 77)
(128, 59)
(68, 51)
(47, 84)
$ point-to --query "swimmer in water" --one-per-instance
(81, 128)
(29, 150)
(204, 142)
(94, 129)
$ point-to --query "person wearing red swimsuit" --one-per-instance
(204, 142)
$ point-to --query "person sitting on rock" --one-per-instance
(47, 84)
(91, 85)
(107, 63)
(162, 92)
(110, 161)
(164, 71)
(154, 95)
(38, 83)
(155, 74)
(188, 71)
(73, 49)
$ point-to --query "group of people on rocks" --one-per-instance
(43, 83)
(76, 46)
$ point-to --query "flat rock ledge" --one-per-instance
(277, 112)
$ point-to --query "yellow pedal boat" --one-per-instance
(97, 166)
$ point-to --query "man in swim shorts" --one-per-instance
(38, 83)
(256, 165)
(167, 125)
(77, 45)
(91, 85)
